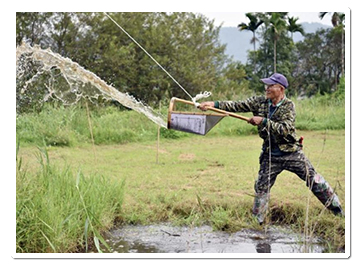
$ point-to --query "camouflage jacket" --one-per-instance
(280, 123)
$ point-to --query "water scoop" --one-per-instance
(196, 122)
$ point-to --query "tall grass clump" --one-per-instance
(321, 112)
(69, 126)
(76, 125)
(58, 210)
(51, 125)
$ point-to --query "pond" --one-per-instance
(165, 238)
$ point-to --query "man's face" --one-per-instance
(273, 91)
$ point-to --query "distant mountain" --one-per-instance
(238, 42)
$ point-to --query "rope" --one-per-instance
(199, 96)
(144, 50)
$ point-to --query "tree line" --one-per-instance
(187, 45)
(314, 65)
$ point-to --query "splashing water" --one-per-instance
(80, 82)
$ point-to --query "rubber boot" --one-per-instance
(324, 192)
(260, 207)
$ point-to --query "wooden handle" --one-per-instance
(175, 99)
(234, 115)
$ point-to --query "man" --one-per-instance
(274, 115)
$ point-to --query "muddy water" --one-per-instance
(170, 239)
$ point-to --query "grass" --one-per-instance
(320, 113)
(58, 210)
(70, 127)
(198, 180)
(70, 189)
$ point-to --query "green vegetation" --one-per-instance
(70, 127)
(186, 44)
(321, 112)
(199, 179)
(58, 210)
(96, 168)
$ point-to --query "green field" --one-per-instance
(80, 172)
(197, 180)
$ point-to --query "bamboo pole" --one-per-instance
(158, 139)
(231, 114)
(91, 130)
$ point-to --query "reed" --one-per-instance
(320, 113)
(59, 211)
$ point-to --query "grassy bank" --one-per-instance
(59, 210)
(71, 126)
(197, 180)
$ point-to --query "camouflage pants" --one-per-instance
(297, 163)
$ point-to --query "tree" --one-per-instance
(278, 27)
(293, 26)
(253, 25)
(185, 44)
(318, 68)
(64, 32)
(275, 52)
(338, 24)
(33, 27)
(312, 66)
(337, 18)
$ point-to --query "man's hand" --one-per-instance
(205, 105)
(256, 120)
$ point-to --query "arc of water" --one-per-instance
(74, 74)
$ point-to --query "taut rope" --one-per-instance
(194, 99)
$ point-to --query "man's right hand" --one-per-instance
(205, 105)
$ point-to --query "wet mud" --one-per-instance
(165, 238)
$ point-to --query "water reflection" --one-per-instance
(123, 246)
(263, 248)
(169, 239)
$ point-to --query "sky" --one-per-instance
(232, 19)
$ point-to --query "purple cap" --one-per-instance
(276, 78)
